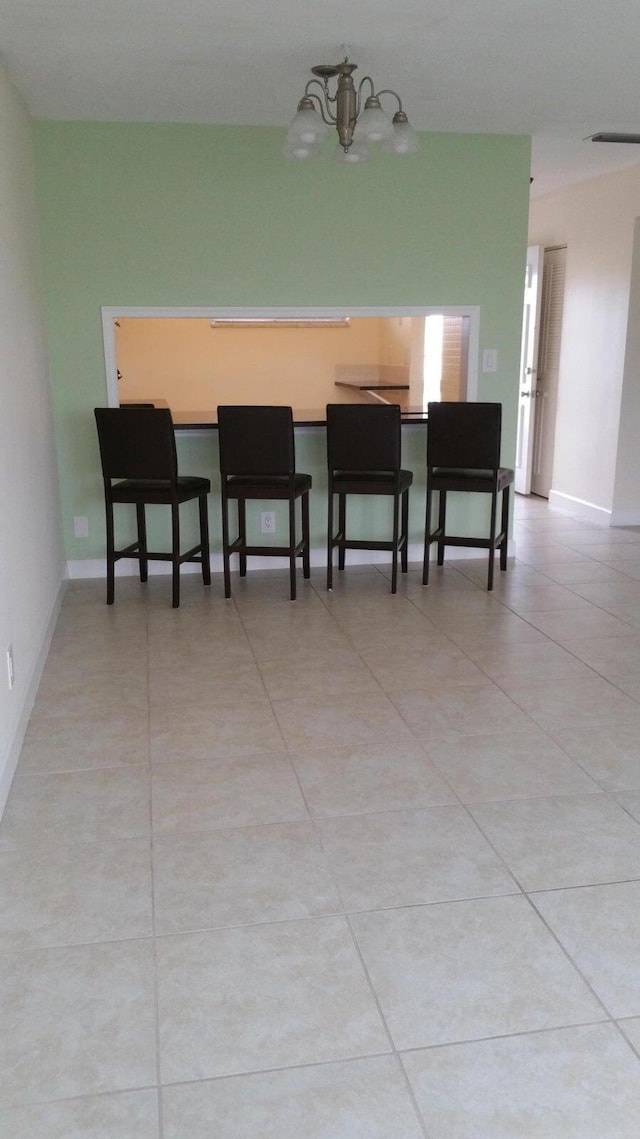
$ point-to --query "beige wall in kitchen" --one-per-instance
(195, 366)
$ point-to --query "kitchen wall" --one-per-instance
(194, 366)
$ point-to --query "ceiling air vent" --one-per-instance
(609, 136)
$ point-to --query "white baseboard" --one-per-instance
(15, 744)
(625, 518)
(581, 509)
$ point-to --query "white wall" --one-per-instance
(626, 492)
(31, 559)
(595, 220)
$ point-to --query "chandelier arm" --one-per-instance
(325, 113)
(321, 99)
(388, 91)
(323, 87)
(365, 79)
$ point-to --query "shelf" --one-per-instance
(372, 387)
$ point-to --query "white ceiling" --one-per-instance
(558, 70)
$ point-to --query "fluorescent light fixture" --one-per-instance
(278, 322)
(610, 136)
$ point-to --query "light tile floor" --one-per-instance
(361, 867)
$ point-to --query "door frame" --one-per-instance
(528, 377)
(544, 434)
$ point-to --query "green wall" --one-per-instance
(180, 215)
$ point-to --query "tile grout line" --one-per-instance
(156, 980)
(387, 1030)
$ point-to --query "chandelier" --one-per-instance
(357, 125)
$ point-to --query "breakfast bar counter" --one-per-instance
(314, 417)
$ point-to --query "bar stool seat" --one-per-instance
(278, 486)
(157, 491)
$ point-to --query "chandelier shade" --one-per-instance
(373, 123)
(404, 139)
(306, 125)
(358, 120)
(357, 153)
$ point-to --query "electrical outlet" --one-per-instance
(268, 522)
(11, 673)
(81, 527)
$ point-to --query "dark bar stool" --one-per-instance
(364, 454)
(138, 447)
(257, 461)
(463, 454)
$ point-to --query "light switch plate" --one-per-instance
(490, 360)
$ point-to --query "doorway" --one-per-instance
(552, 306)
(540, 368)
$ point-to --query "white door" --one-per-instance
(528, 369)
(548, 369)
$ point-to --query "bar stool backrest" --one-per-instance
(465, 435)
(363, 438)
(256, 440)
(137, 443)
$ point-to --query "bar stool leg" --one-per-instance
(204, 539)
(427, 538)
(142, 541)
(110, 554)
(330, 537)
(505, 528)
(292, 546)
(394, 568)
(405, 531)
(492, 538)
(242, 530)
(306, 553)
(175, 553)
(225, 544)
(342, 529)
(442, 522)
